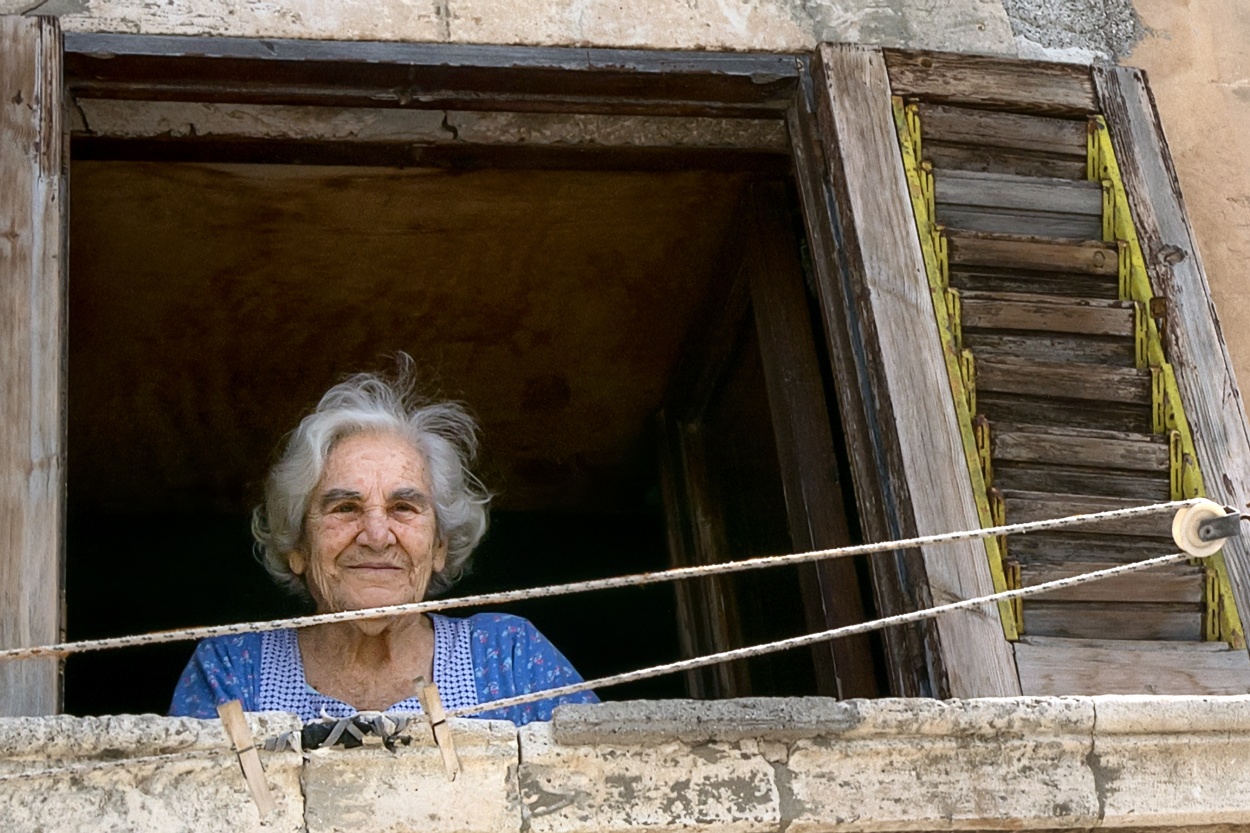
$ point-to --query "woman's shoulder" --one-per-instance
(501, 627)
(221, 668)
(238, 645)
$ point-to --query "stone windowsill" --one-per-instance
(799, 765)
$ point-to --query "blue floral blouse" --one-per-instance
(486, 657)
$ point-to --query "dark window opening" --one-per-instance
(210, 305)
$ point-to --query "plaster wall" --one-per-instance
(761, 25)
(1197, 55)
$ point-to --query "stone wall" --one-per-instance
(801, 765)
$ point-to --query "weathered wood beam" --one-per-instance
(913, 663)
(806, 455)
(1037, 87)
(1194, 342)
(912, 417)
(430, 76)
(130, 119)
(32, 314)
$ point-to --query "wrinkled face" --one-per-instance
(370, 535)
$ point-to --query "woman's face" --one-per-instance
(370, 537)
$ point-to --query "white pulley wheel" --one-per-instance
(1185, 528)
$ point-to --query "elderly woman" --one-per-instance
(372, 503)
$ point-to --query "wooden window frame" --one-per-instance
(910, 475)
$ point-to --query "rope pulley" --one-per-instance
(1202, 528)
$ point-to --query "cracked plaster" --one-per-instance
(1079, 31)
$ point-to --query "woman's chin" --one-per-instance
(376, 598)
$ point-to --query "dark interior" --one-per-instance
(211, 304)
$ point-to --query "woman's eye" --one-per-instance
(344, 509)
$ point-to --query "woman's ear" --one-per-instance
(296, 561)
(438, 558)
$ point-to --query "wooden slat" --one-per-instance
(1069, 413)
(1179, 583)
(1019, 311)
(805, 450)
(1179, 649)
(1071, 284)
(1090, 257)
(913, 661)
(1064, 381)
(1082, 620)
(882, 261)
(994, 83)
(1085, 547)
(1036, 506)
(992, 160)
(1015, 221)
(1053, 667)
(991, 344)
(32, 310)
(1195, 344)
(1023, 193)
(1137, 452)
(1082, 481)
(964, 125)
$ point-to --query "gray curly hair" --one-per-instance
(442, 432)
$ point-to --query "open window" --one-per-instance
(683, 292)
(554, 270)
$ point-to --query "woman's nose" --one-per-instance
(375, 529)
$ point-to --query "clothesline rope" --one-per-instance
(820, 636)
(634, 580)
(667, 668)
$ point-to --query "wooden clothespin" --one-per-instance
(432, 705)
(235, 724)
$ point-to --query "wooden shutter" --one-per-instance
(909, 464)
(1018, 199)
(32, 311)
(1193, 341)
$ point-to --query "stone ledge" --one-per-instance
(793, 718)
(203, 794)
(796, 765)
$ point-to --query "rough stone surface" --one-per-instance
(199, 795)
(802, 765)
(754, 25)
(662, 786)
(693, 721)
(1151, 756)
(949, 765)
(370, 788)
(1078, 30)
